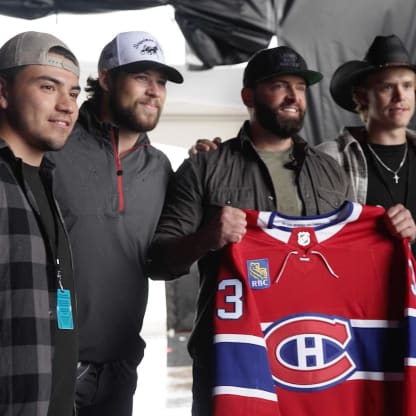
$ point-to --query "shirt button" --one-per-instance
(271, 198)
(228, 202)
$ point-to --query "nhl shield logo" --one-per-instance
(304, 238)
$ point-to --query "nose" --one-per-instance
(291, 93)
(66, 103)
(154, 89)
(398, 93)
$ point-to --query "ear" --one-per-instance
(359, 96)
(247, 96)
(4, 94)
(104, 80)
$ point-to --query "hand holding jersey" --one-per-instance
(228, 226)
(400, 223)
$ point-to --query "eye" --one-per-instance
(386, 87)
(162, 82)
(140, 77)
(48, 87)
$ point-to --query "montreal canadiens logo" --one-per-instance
(309, 352)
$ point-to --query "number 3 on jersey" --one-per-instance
(232, 290)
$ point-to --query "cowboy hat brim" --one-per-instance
(346, 77)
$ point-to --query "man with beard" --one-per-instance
(111, 184)
(266, 167)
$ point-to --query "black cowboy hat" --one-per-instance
(384, 52)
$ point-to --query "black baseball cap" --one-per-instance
(280, 60)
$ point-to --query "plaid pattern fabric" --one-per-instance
(347, 151)
(26, 312)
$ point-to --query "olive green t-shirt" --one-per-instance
(284, 181)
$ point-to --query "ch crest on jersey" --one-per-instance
(309, 352)
(258, 273)
(304, 238)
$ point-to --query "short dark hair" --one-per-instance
(10, 74)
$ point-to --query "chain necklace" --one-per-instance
(396, 177)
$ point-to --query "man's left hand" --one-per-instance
(400, 223)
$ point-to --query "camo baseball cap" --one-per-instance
(136, 51)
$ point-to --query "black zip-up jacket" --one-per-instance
(235, 175)
(111, 204)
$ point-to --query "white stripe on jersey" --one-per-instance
(239, 391)
(243, 339)
(410, 312)
(376, 376)
(410, 362)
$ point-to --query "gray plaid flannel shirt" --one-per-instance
(347, 151)
(26, 309)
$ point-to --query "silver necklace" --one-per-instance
(396, 177)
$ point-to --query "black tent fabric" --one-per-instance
(329, 32)
(228, 32)
(34, 9)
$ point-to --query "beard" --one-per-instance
(129, 118)
(276, 123)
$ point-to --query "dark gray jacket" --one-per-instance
(235, 175)
(111, 212)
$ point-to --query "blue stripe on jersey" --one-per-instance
(377, 349)
(411, 340)
(243, 365)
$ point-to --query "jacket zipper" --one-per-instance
(119, 172)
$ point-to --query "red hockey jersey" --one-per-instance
(314, 316)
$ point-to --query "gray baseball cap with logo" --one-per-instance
(136, 51)
(32, 48)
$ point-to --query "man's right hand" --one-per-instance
(228, 226)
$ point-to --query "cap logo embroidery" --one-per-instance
(147, 49)
(289, 59)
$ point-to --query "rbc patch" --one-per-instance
(258, 273)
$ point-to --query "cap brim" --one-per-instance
(347, 75)
(310, 77)
(171, 73)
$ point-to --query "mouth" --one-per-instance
(150, 106)
(60, 123)
(289, 110)
(399, 110)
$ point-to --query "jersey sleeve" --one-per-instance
(243, 380)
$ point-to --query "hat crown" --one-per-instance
(139, 48)
(32, 48)
(280, 60)
(387, 50)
